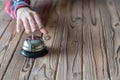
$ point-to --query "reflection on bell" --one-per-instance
(34, 47)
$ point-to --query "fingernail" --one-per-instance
(44, 31)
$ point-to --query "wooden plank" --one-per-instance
(113, 39)
(9, 42)
(4, 21)
(2, 4)
(117, 4)
(92, 6)
(95, 63)
(70, 60)
(19, 66)
(113, 13)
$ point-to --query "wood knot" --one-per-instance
(110, 2)
(76, 75)
(46, 37)
(76, 19)
(74, 43)
(117, 24)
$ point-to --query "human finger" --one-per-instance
(26, 25)
(39, 23)
(19, 25)
(32, 23)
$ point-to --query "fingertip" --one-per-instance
(34, 30)
(18, 31)
(18, 26)
(44, 31)
(27, 31)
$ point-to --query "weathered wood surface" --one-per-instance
(84, 44)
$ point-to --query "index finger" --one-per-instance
(40, 25)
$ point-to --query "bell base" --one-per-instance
(34, 54)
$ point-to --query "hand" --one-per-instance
(30, 20)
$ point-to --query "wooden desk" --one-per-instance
(84, 44)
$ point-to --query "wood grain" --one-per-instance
(84, 42)
(4, 19)
(45, 67)
(94, 53)
(19, 66)
(9, 39)
(70, 60)
(2, 4)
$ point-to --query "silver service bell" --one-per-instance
(34, 47)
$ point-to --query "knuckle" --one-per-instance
(34, 12)
(28, 14)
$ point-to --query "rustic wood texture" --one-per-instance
(84, 42)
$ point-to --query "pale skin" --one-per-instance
(29, 20)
